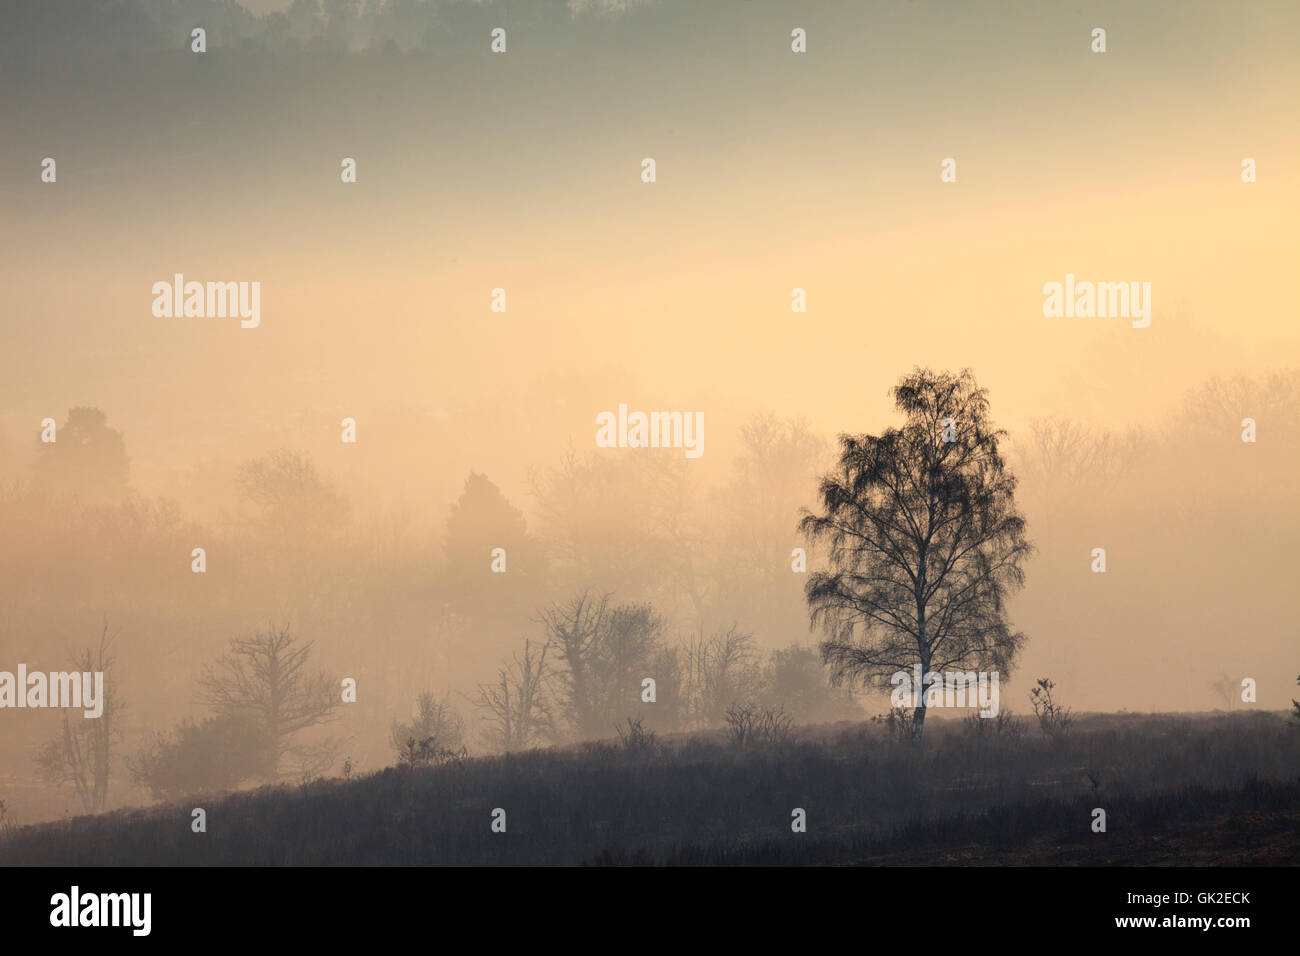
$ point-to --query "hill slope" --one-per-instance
(1210, 789)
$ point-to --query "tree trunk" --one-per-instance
(918, 712)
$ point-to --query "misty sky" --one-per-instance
(521, 171)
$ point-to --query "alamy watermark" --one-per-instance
(683, 430)
(102, 909)
(84, 689)
(208, 300)
(947, 689)
(1102, 300)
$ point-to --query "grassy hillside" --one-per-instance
(1187, 789)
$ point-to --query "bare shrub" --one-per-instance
(749, 724)
(518, 708)
(898, 724)
(1054, 719)
(428, 753)
(436, 728)
(1003, 726)
(632, 736)
(720, 669)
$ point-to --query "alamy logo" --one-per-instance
(55, 689)
(950, 689)
(208, 300)
(102, 909)
(683, 430)
(1103, 300)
